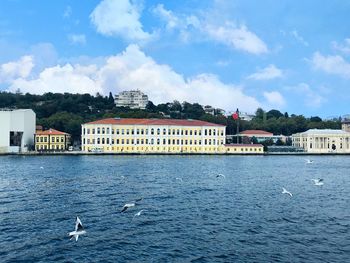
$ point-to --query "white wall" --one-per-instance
(20, 121)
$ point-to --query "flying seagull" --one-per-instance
(284, 191)
(79, 230)
(220, 175)
(309, 161)
(132, 204)
(180, 179)
(41, 167)
(138, 213)
(318, 182)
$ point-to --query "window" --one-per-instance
(186, 131)
(112, 131)
(141, 131)
(190, 132)
(173, 131)
(127, 141)
(158, 141)
(152, 131)
(98, 131)
(117, 141)
(214, 132)
(152, 141)
(37, 139)
(195, 132)
(127, 131)
(138, 131)
(41, 139)
(132, 131)
(62, 139)
(45, 139)
(88, 131)
(158, 131)
(205, 132)
(209, 132)
(52, 139)
(116, 131)
(122, 131)
(107, 131)
(93, 131)
(103, 140)
(57, 139)
(98, 140)
(164, 141)
(178, 132)
(107, 140)
(164, 131)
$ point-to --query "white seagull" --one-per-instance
(41, 167)
(126, 206)
(318, 182)
(79, 230)
(308, 161)
(138, 213)
(284, 191)
(180, 179)
(220, 175)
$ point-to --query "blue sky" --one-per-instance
(289, 55)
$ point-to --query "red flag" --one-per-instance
(235, 115)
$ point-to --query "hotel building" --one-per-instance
(51, 140)
(322, 141)
(115, 135)
(134, 99)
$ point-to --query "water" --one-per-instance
(240, 218)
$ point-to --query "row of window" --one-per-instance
(245, 149)
(53, 139)
(152, 131)
(151, 149)
(53, 147)
(151, 141)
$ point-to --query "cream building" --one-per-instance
(134, 99)
(51, 140)
(323, 141)
(152, 136)
(17, 129)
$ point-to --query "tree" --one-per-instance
(274, 114)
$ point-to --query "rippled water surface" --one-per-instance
(190, 214)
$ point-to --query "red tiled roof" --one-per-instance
(243, 145)
(252, 132)
(173, 122)
(50, 132)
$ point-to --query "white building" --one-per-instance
(17, 129)
(134, 99)
(323, 141)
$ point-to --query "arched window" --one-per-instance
(103, 130)
(98, 131)
(158, 131)
(152, 141)
(152, 132)
(98, 140)
(103, 140)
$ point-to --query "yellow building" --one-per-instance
(244, 148)
(116, 135)
(51, 140)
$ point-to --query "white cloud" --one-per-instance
(345, 48)
(270, 72)
(274, 99)
(119, 18)
(77, 39)
(310, 97)
(67, 12)
(331, 64)
(299, 38)
(236, 37)
(229, 34)
(133, 69)
(16, 69)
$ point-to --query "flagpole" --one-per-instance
(237, 132)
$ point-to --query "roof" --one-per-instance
(256, 132)
(50, 132)
(243, 145)
(325, 131)
(170, 122)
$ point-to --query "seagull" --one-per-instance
(138, 213)
(220, 175)
(284, 191)
(180, 179)
(132, 204)
(41, 167)
(309, 161)
(318, 182)
(79, 230)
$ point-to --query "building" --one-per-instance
(322, 141)
(51, 140)
(17, 129)
(213, 111)
(244, 148)
(261, 136)
(134, 99)
(152, 136)
(345, 125)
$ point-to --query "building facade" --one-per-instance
(322, 141)
(17, 129)
(261, 136)
(134, 99)
(51, 140)
(152, 136)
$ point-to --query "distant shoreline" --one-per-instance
(172, 154)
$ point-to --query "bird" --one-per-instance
(79, 230)
(318, 181)
(131, 204)
(180, 179)
(41, 167)
(309, 161)
(220, 175)
(138, 213)
(284, 191)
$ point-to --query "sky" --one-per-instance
(289, 55)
